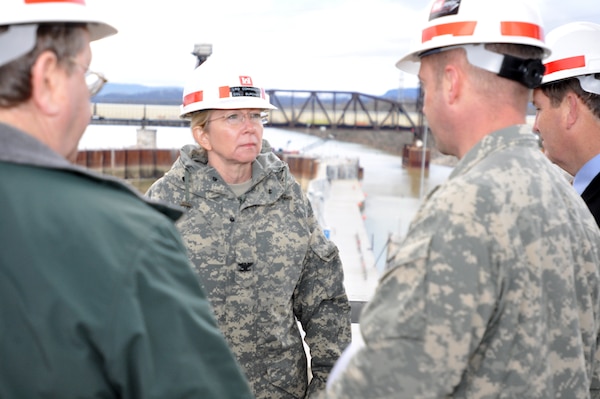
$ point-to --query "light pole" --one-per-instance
(202, 52)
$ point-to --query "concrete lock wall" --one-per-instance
(129, 163)
(143, 164)
(146, 138)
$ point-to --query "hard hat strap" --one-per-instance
(528, 72)
(17, 41)
(590, 83)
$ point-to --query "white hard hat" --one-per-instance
(22, 16)
(575, 53)
(218, 84)
(453, 23)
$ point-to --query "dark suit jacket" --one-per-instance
(591, 196)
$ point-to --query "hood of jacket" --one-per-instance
(191, 173)
(21, 148)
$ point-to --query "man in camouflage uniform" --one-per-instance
(254, 241)
(494, 291)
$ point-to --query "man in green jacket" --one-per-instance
(97, 298)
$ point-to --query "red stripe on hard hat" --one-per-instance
(82, 2)
(468, 28)
(224, 91)
(564, 64)
(522, 29)
(194, 97)
(454, 29)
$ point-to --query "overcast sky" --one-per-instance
(343, 45)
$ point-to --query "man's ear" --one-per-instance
(572, 104)
(47, 78)
(451, 83)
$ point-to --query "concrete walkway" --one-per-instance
(342, 214)
(338, 203)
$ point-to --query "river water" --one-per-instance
(393, 193)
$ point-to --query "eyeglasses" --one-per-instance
(93, 80)
(238, 118)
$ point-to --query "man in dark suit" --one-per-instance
(568, 107)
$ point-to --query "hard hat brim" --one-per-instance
(227, 103)
(56, 12)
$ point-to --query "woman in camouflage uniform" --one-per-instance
(254, 240)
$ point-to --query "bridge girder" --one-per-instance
(295, 109)
(336, 109)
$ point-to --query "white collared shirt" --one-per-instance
(586, 174)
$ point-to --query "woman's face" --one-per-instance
(231, 137)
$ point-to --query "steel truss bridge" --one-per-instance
(295, 109)
(337, 110)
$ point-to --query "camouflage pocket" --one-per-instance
(406, 251)
(397, 310)
(289, 376)
(324, 255)
(322, 247)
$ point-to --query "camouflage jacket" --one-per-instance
(264, 262)
(493, 292)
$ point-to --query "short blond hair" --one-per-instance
(200, 118)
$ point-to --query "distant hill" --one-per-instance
(122, 93)
(408, 94)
